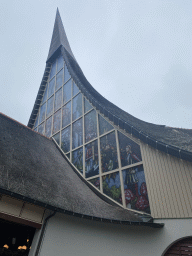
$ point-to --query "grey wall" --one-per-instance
(68, 235)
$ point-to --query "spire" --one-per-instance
(59, 37)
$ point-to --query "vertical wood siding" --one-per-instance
(169, 184)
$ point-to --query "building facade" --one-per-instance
(106, 183)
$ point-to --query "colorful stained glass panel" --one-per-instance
(129, 150)
(77, 133)
(90, 126)
(104, 126)
(108, 152)
(136, 196)
(112, 186)
(77, 106)
(95, 182)
(91, 159)
(77, 159)
(65, 139)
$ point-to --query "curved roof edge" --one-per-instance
(157, 136)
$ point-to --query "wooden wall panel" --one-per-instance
(169, 184)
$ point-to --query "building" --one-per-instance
(87, 178)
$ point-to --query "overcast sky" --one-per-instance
(137, 54)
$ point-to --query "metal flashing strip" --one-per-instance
(60, 210)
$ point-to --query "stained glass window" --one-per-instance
(77, 106)
(87, 106)
(77, 159)
(42, 113)
(51, 87)
(135, 189)
(65, 139)
(90, 126)
(58, 99)
(50, 106)
(48, 126)
(45, 94)
(109, 152)
(59, 79)
(60, 63)
(75, 89)
(129, 150)
(53, 70)
(66, 75)
(77, 133)
(91, 159)
(112, 186)
(95, 182)
(104, 126)
(42, 128)
(57, 121)
(57, 138)
(67, 91)
(66, 114)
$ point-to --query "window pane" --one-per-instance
(108, 152)
(45, 94)
(57, 121)
(90, 126)
(57, 138)
(129, 150)
(53, 70)
(77, 106)
(42, 128)
(50, 106)
(104, 126)
(60, 63)
(75, 89)
(59, 79)
(91, 159)
(136, 196)
(58, 99)
(87, 105)
(66, 114)
(42, 113)
(48, 127)
(65, 139)
(112, 186)
(66, 75)
(77, 133)
(67, 91)
(51, 87)
(77, 159)
(96, 182)
(68, 156)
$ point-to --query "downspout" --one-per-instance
(42, 232)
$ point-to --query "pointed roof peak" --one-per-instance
(59, 37)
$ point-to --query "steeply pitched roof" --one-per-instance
(59, 37)
(33, 167)
(176, 142)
